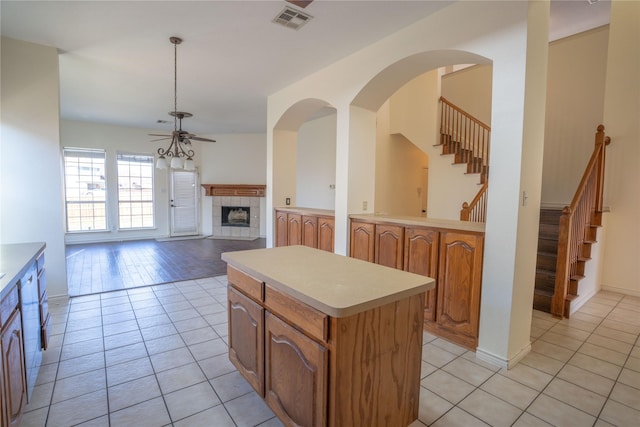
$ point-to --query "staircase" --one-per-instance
(547, 259)
(467, 138)
(565, 238)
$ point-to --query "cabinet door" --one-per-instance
(294, 229)
(296, 369)
(310, 231)
(246, 338)
(459, 282)
(325, 233)
(14, 371)
(389, 245)
(281, 229)
(362, 244)
(421, 257)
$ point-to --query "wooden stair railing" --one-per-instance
(466, 137)
(578, 225)
(476, 211)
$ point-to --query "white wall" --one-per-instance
(368, 77)
(414, 110)
(575, 107)
(233, 159)
(120, 139)
(30, 167)
(470, 89)
(399, 166)
(622, 181)
(316, 163)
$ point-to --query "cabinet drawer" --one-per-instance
(297, 313)
(44, 307)
(8, 304)
(42, 283)
(247, 284)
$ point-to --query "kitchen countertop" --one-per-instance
(336, 285)
(447, 224)
(15, 259)
(305, 211)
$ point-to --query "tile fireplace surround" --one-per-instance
(235, 195)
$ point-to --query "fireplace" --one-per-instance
(246, 202)
(235, 216)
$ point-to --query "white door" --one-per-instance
(184, 203)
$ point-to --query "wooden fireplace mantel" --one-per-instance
(244, 190)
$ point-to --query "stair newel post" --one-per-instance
(601, 143)
(562, 264)
(464, 212)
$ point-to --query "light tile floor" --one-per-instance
(157, 356)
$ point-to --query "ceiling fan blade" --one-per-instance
(198, 138)
(160, 139)
(159, 134)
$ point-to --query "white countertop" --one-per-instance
(15, 259)
(447, 224)
(333, 284)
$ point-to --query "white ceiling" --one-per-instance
(116, 61)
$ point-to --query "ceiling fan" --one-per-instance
(179, 151)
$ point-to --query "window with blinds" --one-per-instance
(85, 189)
(135, 191)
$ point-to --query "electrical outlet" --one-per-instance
(287, 201)
(364, 205)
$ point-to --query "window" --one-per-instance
(85, 189)
(135, 191)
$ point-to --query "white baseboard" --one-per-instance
(631, 292)
(496, 360)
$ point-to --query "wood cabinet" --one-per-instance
(294, 229)
(362, 243)
(326, 233)
(453, 257)
(459, 283)
(293, 358)
(389, 245)
(309, 227)
(421, 257)
(320, 370)
(310, 231)
(14, 392)
(281, 229)
(24, 323)
(247, 354)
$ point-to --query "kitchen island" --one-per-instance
(325, 339)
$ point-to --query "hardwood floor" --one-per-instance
(103, 267)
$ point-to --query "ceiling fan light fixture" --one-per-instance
(161, 163)
(189, 164)
(179, 150)
(176, 162)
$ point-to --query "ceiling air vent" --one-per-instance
(292, 18)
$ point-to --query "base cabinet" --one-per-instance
(247, 354)
(321, 370)
(304, 227)
(326, 233)
(459, 283)
(14, 393)
(421, 257)
(293, 358)
(454, 258)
